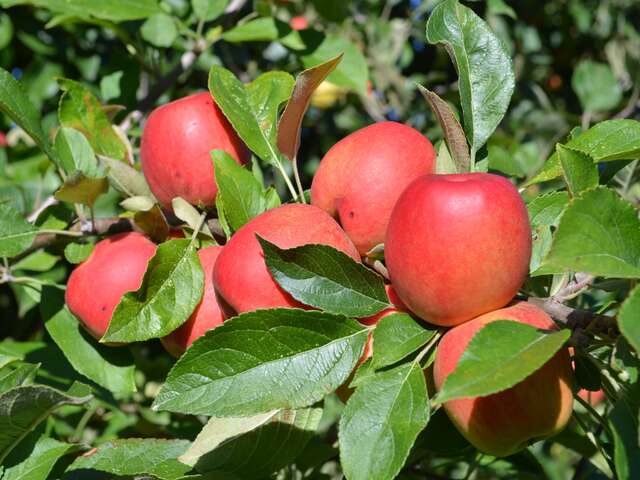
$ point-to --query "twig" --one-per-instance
(576, 319)
(49, 201)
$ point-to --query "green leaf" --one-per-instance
(208, 10)
(125, 178)
(252, 109)
(598, 233)
(396, 336)
(16, 377)
(219, 430)
(623, 421)
(272, 445)
(16, 234)
(159, 30)
(544, 213)
(352, 72)
(286, 358)
(453, 132)
(243, 196)
(381, 422)
(628, 319)
(116, 10)
(606, 141)
(141, 204)
(17, 106)
(75, 153)
(596, 86)
(262, 29)
(291, 120)
(500, 355)
(111, 368)
(38, 261)
(81, 110)
(546, 209)
(137, 456)
(110, 86)
(325, 278)
(171, 289)
(77, 252)
(23, 408)
(486, 78)
(38, 461)
(579, 171)
(610, 140)
(81, 189)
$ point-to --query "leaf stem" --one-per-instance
(67, 233)
(296, 175)
(196, 230)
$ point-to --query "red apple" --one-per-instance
(593, 398)
(361, 177)
(3, 140)
(299, 22)
(504, 423)
(116, 266)
(175, 149)
(241, 278)
(207, 314)
(458, 246)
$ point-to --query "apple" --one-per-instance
(116, 266)
(458, 246)
(593, 398)
(3, 140)
(241, 278)
(506, 422)
(299, 22)
(207, 314)
(361, 177)
(175, 149)
(326, 95)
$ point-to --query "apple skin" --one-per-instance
(504, 423)
(116, 266)
(175, 149)
(361, 177)
(458, 246)
(299, 22)
(593, 398)
(241, 278)
(207, 314)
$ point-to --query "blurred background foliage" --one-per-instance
(576, 62)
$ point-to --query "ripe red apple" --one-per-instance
(505, 422)
(207, 314)
(299, 22)
(594, 398)
(116, 266)
(3, 140)
(361, 177)
(241, 278)
(175, 149)
(458, 246)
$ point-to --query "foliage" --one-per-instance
(545, 93)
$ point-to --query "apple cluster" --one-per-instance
(456, 246)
